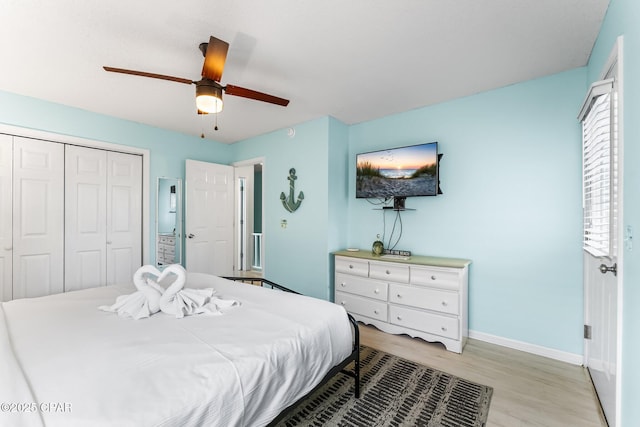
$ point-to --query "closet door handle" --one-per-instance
(108, 242)
(191, 235)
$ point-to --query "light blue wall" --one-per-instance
(338, 198)
(168, 149)
(295, 256)
(623, 18)
(511, 178)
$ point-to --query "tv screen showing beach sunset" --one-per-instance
(398, 172)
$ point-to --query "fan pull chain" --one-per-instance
(202, 126)
(216, 126)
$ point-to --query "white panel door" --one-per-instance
(6, 213)
(85, 217)
(124, 216)
(209, 218)
(38, 218)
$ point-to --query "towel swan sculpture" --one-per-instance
(180, 301)
(145, 301)
(176, 300)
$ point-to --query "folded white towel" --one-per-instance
(217, 305)
(145, 301)
(180, 302)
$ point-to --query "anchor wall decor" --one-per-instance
(289, 203)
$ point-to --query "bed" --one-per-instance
(66, 363)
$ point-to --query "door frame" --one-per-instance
(615, 59)
(74, 140)
(252, 162)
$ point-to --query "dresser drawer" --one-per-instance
(430, 299)
(169, 240)
(357, 267)
(361, 286)
(390, 272)
(424, 321)
(362, 306)
(444, 278)
(167, 249)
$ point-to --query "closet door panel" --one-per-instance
(85, 217)
(124, 216)
(38, 218)
(6, 214)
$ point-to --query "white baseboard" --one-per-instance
(563, 356)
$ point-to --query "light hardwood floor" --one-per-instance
(528, 390)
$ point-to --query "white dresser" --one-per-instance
(166, 246)
(423, 297)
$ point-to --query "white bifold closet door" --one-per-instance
(103, 217)
(38, 218)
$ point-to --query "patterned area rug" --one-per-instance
(394, 392)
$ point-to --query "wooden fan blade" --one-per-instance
(214, 59)
(145, 74)
(252, 94)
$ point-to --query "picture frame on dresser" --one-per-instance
(421, 296)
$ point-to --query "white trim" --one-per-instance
(617, 57)
(596, 89)
(249, 162)
(563, 356)
(74, 140)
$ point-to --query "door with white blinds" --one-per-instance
(601, 208)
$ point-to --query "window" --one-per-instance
(599, 148)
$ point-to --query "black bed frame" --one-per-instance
(353, 357)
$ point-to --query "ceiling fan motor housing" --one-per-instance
(209, 96)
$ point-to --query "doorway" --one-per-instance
(249, 236)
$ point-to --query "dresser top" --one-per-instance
(413, 259)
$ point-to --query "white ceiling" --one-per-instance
(355, 60)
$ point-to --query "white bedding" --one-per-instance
(78, 366)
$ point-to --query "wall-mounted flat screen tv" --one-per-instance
(398, 172)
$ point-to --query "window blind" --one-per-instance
(599, 129)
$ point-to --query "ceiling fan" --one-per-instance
(208, 89)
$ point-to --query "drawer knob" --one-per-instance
(350, 265)
(388, 272)
(444, 303)
(433, 277)
(375, 311)
(399, 296)
(443, 329)
(399, 317)
(343, 284)
(343, 303)
(377, 291)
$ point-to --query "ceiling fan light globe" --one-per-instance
(209, 104)
(208, 96)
